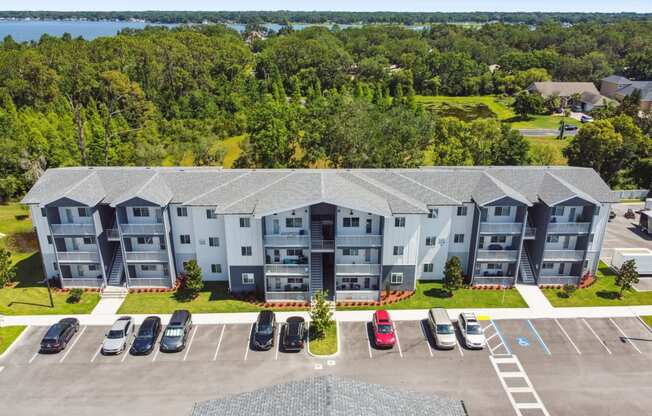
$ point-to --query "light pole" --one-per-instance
(47, 283)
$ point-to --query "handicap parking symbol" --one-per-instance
(523, 342)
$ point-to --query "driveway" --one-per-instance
(544, 132)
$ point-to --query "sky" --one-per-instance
(641, 6)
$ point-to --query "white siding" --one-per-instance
(407, 236)
(204, 228)
(154, 213)
(343, 212)
(70, 215)
(43, 231)
(491, 217)
(237, 237)
(599, 227)
(303, 213)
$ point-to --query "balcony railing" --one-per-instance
(142, 229)
(563, 255)
(501, 227)
(149, 282)
(281, 240)
(72, 229)
(147, 256)
(287, 269)
(280, 296)
(358, 269)
(113, 234)
(362, 295)
(94, 282)
(78, 257)
(569, 227)
(530, 232)
(322, 244)
(497, 255)
(359, 240)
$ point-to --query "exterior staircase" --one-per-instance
(117, 269)
(525, 270)
(316, 274)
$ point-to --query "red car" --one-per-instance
(383, 328)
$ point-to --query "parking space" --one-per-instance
(610, 336)
(414, 338)
(521, 337)
(636, 333)
(354, 341)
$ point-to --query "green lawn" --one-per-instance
(603, 292)
(552, 144)
(8, 335)
(327, 345)
(431, 294)
(232, 147)
(648, 320)
(541, 122)
(213, 299)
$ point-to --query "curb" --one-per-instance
(13, 344)
(339, 347)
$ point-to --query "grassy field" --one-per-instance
(603, 292)
(232, 147)
(648, 320)
(552, 144)
(541, 122)
(327, 345)
(8, 335)
(431, 294)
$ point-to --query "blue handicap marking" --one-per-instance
(523, 342)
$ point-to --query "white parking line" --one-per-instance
(217, 350)
(627, 339)
(125, 353)
(72, 345)
(366, 334)
(596, 335)
(156, 353)
(278, 341)
(96, 353)
(536, 333)
(248, 342)
(568, 337)
(425, 337)
(192, 338)
(398, 342)
(510, 391)
(1, 368)
(33, 357)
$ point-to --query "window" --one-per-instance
(84, 212)
(433, 213)
(92, 267)
(431, 241)
(498, 238)
(398, 250)
(294, 222)
(294, 252)
(44, 212)
(182, 211)
(547, 266)
(458, 238)
(210, 214)
(185, 238)
(557, 211)
(553, 238)
(350, 222)
(216, 268)
(49, 239)
(248, 279)
(350, 251)
(494, 266)
(148, 267)
(245, 250)
(214, 241)
(461, 211)
(145, 240)
(502, 211)
(428, 268)
(140, 211)
(399, 222)
(396, 278)
(88, 240)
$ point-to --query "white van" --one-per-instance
(441, 328)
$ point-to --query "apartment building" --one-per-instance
(285, 234)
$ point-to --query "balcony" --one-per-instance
(72, 229)
(78, 257)
(497, 255)
(501, 227)
(358, 269)
(286, 269)
(357, 295)
(289, 240)
(322, 245)
(569, 227)
(563, 255)
(147, 256)
(149, 282)
(359, 240)
(530, 233)
(82, 282)
(113, 234)
(275, 296)
(142, 229)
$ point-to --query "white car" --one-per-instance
(117, 338)
(471, 331)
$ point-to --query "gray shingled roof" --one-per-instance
(261, 192)
(330, 395)
(616, 79)
(563, 89)
(644, 86)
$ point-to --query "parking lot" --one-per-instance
(554, 357)
(623, 232)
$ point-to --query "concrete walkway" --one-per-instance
(107, 306)
(533, 296)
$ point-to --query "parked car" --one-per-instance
(176, 333)
(383, 329)
(586, 119)
(117, 338)
(294, 333)
(264, 330)
(471, 331)
(570, 127)
(441, 328)
(146, 337)
(59, 335)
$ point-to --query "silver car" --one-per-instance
(117, 339)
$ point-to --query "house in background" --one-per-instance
(590, 97)
(618, 88)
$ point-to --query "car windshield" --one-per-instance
(113, 334)
(385, 329)
(145, 332)
(53, 332)
(174, 332)
(444, 329)
(474, 329)
(264, 329)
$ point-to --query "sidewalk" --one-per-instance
(107, 306)
(533, 296)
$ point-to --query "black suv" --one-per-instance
(147, 336)
(294, 334)
(176, 333)
(59, 335)
(264, 329)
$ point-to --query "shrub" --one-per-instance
(75, 296)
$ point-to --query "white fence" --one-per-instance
(631, 194)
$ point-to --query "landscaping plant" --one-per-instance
(194, 278)
(75, 295)
(626, 277)
(453, 279)
(320, 314)
(569, 290)
(7, 271)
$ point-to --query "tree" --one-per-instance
(194, 278)
(627, 276)
(631, 104)
(321, 316)
(7, 271)
(453, 279)
(526, 103)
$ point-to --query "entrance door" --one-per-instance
(276, 227)
(65, 271)
(368, 226)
